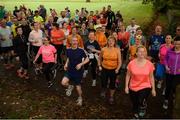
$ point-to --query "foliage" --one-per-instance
(164, 5)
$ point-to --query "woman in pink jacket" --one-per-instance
(162, 53)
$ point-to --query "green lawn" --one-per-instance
(128, 8)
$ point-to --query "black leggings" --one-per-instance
(139, 99)
(93, 67)
(35, 49)
(171, 82)
(47, 70)
(24, 60)
(124, 53)
(108, 75)
(59, 49)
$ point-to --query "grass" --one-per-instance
(128, 8)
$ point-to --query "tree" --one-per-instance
(164, 5)
(88, 0)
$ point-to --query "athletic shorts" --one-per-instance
(6, 49)
(75, 80)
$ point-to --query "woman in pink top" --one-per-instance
(49, 57)
(162, 53)
(140, 81)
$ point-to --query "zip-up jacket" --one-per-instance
(172, 60)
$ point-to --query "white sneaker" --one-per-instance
(69, 90)
(36, 71)
(54, 72)
(94, 83)
(123, 66)
(164, 90)
(103, 94)
(159, 85)
(79, 101)
(165, 104)
(1, 57)
(85, 74)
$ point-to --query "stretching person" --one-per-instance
(49, 58)
(76, 58)
(110, 59)
(140, 81)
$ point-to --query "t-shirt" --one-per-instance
(75, 57)
(91, 45)
(143, 41)
(66, 33)
(69, 39)
(140, 75)
(5, 34)
(47, 53)
(110, 58)
(84, 34)
(36, 36)
(124, 37)
(55, 35)
(156, 41)
(61, 20)
(101, 39)
(132, 29)
(162, 52)
(132, 51)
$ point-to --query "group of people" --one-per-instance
(97, 42)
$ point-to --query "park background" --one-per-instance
(31, 99)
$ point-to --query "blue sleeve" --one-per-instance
(67, 53)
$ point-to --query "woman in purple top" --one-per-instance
(171, 61)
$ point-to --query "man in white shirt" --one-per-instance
(62, 19)
(132, 27)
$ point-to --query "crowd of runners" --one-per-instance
(97, 43)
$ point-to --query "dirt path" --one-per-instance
(32, 99)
